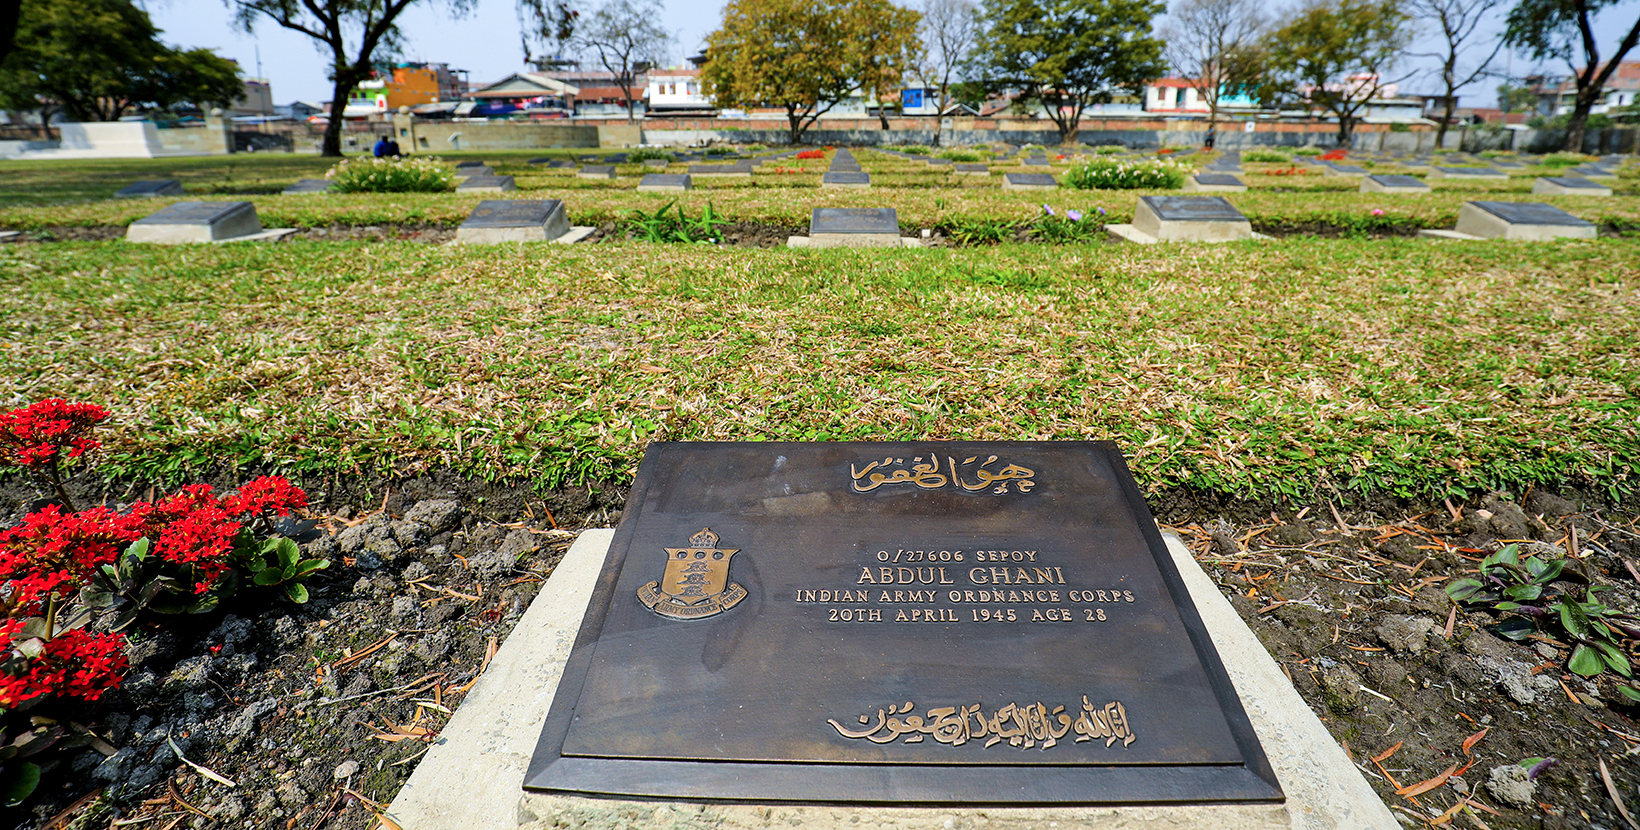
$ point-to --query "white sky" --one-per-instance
(485, 42)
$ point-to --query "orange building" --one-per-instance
(423, 83)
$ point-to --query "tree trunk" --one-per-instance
(331, 147)
(882, 116)
(1346, 125)
(1446, 119)
(1580, 116)
(794, 124)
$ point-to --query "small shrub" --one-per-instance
(978, 231)
(964, 156)
(418, 174)
(1121, 174)
(1266, 156)
(915, 150)
(1564, 159)
(662, 226)
(1492, 154)
(1288, 171)
(1071, 226)
(1307, 151)
(643, 154)
(718, 151)
(1109, 149)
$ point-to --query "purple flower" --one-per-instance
(1101, 211)
(1049, 210)
(1074, 215)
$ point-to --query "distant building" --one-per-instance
(413, 84)
(1178, 95)
(531, 94)
(1559, 95)
(918, 98)
(299, 109)
(676, 91)
(257, 99)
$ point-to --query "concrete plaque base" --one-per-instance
(471, 778)
(1521, 220)
(853, 240)
(1186, 219)
(665, 183)
(1393, 184)
(1214, 183)
(1569, 186)
(196, 222)
(5, 235)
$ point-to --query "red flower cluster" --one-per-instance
(1333, 155)
(51, 552)
(75, 663)
(34, 437)
(812, 154)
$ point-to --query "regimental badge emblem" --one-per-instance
(696, 582)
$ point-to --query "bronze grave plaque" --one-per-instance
(934, 623)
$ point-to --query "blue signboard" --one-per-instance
(911, 99)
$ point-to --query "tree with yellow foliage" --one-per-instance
(806, 57)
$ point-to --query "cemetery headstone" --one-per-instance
(150, 188)
(1215, 182)
(1594, 171)
(500, 220)
(597, 171)
(463, 165)
(655, 164)
(851, 228)
(1183, 219)
(1029, 181)
(761, 632)
(844, 178)
(1037, 161)
(665, 183)
(1383, 183)
(309, 186)
(724, 171)
(486, 184)
(1569, 186)
(972, 170)
(1532, 221)
(1335, 169)
(471, 170)
(1466, 173)
(200, 222)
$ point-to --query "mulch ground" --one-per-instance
(318, 713)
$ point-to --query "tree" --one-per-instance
(1068, 54)
(1513, 98)
(371, 25)
(1212, 43)
(1337, 52)
(95, 60)
(551, 22)
(949, 30)
(10, 12)
(807, 57)
(628, 38)
(1458, 20)
(1546, 29)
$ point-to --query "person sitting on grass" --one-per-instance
(386, 148)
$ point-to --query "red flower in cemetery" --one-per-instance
(266, 494)
(202, 538)
(75, 663)
(36, 436)
(56, 552)
(812, 154)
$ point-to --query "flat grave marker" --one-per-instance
(1041, 649)
(1466, 173)
(972, 170)
(1531, 221)
(724, 171)
(308, 186)
(486, 184)
(1215, 182)
(1335, 169)
(514, 220)
(852, 228)
(846, 178)
(665, 183)
(1383, 183)
(1569, 186)
(1029, 181)
(596, 171)
(149, 189)
(184, 222)
(1183, 219)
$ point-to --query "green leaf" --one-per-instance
(138, 549)
(308, 567)
(1575, 619)
(1461, 590)
(1629, 692)
(1586, 661)
(19, 783)
(1516, 628)
(1527, 592)
(269, 576)
(1551, 571)
(1614, 657)
(297, 592)
(289, 554)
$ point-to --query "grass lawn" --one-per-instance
(1261, 367)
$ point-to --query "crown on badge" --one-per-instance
(704, 539)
